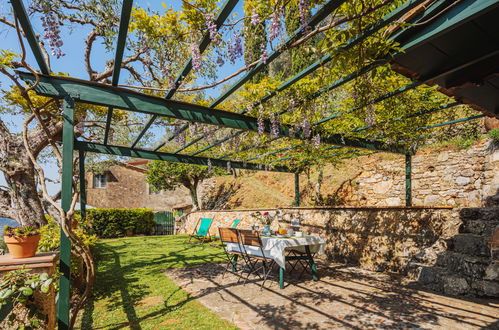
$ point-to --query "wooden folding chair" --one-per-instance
(203, 230)
(252, 248)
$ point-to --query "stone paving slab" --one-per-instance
(344, 298)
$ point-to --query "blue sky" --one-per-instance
(72, 63)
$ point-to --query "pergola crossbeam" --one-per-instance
(105, 95)
(168, 157)
(126, 11)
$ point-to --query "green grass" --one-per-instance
(131, 291)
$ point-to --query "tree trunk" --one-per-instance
(27, 208)
(20, 201)
(193, 189)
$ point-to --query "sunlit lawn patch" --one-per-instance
(131, 290)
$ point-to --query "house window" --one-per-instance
(100, 181)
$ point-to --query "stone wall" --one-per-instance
(461, 178)
(387, 239)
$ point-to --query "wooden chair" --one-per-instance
(253, 252)
(230, 236)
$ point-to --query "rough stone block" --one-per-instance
(473, 245)
(455, 285)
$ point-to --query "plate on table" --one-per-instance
(283, 236)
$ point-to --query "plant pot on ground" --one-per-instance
(22, 241)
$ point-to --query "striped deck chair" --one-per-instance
(203, 230)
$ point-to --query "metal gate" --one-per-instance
(164, 223)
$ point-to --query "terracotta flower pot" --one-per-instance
(22, 247)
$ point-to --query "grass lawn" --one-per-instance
(132, 292)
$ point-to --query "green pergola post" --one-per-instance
(408, 180)
(66, 197)
(83, 189)
(297, 189)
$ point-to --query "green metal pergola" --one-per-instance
(430, 26)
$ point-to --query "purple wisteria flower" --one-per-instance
(235, 48)
(316, 141)
(261, 122)
(209, 166)
(370, 116)
(196, 57)
(212, 27)
(51, 24)
(229, 168)
(265, 54)
(255, 18)
(292, 131)
(304, 7)
(274, 125)
(305, 125)
(275, 25)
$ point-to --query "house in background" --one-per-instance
(124, 186)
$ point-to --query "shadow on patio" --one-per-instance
(345, 297)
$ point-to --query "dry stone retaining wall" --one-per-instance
(458, 178)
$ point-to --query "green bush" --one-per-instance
(50, 236)
(108, 223)
(494, 134)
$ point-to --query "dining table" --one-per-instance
(278, 247)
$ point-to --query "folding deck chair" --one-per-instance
(203, 230)
(233, 226)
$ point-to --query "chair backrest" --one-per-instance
(228, 235)
(250, 237)
(204, 226)
(235, 223)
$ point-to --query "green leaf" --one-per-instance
(26, 291)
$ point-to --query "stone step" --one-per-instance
(479, 227)
(470, 244)
(458, 263)
(442, 280)
(479, 213)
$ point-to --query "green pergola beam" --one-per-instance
(63, 304)
(105, 95)
(227, 8)
(126, 10)
(408, 180)
(452, 122)
(168, 157)
(22, 16)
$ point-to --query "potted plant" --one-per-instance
(22, 241)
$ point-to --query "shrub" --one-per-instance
(50, 236)
(109, 223)
(494, 134)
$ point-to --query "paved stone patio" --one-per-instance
(344, 298)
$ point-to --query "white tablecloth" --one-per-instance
(274, 247)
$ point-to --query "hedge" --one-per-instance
(109, 223)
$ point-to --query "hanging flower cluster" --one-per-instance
(316, 141)
(212, 27)
(305, 125)
(209, 166)
(235, 48)
(304, 8)
(261, 122)
(229, 168)
(274, 125)
(275, 25)
(51, 27)
(265, 54)
(255, 18)
(196, 57)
